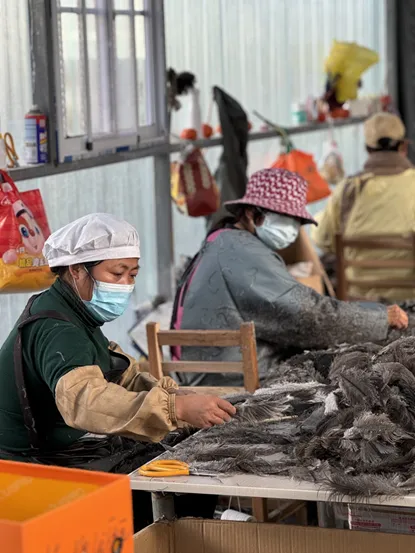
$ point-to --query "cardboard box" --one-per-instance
(373, 518)
(202, 536)
(55, 510)
(303, 250)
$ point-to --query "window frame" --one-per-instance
(89, 144)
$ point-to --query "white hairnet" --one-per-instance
(92, 238)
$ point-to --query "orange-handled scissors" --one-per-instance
(167, 467)
(164, 468)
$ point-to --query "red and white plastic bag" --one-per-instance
(23, 230)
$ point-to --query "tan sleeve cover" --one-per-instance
(88, 402)
(135, 380)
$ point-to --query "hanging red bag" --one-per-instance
(23, 231)
(193, 187)
(304, 164)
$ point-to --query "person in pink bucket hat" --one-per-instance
(279, 192)
(238, 275)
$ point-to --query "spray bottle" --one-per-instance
(36, 138)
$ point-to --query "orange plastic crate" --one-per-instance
(56, 510)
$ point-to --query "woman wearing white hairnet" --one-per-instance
(61, 378)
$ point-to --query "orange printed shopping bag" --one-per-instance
(23, 231)
(304, 164)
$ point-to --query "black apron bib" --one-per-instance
(107, 454)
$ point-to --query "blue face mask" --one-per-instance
(278, 231)
(109, 301)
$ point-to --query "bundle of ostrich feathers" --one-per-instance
(316, 364)
(343, 418)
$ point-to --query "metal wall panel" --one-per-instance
(16, 89)
(268, 54)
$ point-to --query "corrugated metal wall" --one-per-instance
(267, 53)
(16, 90)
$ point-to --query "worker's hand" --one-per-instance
(397, 318)
(203, 411)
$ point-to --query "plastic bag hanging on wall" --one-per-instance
(193, 188)
(23, 231)
(331, 164)
(303, 164)
(299, 162)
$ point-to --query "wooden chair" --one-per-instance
(381, 242)
(243, 338)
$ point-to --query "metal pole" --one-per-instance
(391, 49)
(326, 516)
(405, 40)
(133, 51)
(163, 507)
(158, 48)
(43, 75)
(164, 226)
(112, 64)
(87, 90)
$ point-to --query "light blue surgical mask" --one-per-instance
(109, 301)
(278, 231)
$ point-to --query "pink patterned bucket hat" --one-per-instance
(277, 190)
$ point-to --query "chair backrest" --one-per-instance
(243, 338)
(379, 242)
